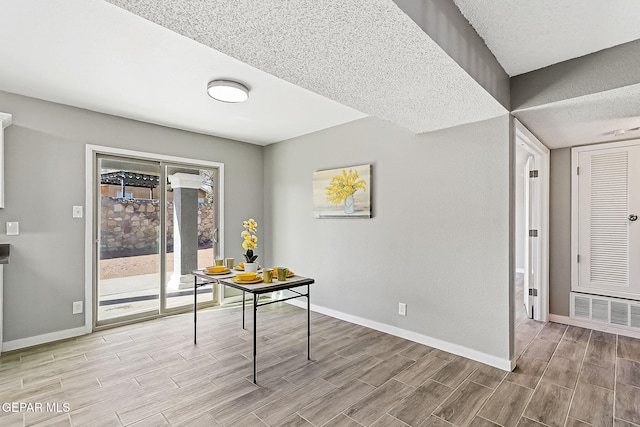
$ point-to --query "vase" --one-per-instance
(250, 267)
(349, 205)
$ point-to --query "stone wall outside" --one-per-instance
(130, 227)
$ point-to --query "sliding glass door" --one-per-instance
(155, 222)
(128, 219)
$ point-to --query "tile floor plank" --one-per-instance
(562, 372)
(327, 407)
(601, 376)
(292, 402)
(341, 420)
(420, 371)
(455, 372)
(627, 403)
(488, 376)
(374, 405)
(527, 372)
(506, 405)
(462, 406)
(628, 372)
(549, 404)
(577, 335)
(388, 421)
(583, 408)
(629, 348)
(385, 370)
(419, 405)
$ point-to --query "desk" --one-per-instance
(257, 290)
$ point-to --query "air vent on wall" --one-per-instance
(613, 311)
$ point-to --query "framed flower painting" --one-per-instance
(342, 193)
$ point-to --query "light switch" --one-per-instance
(12, 229)
(77, 211)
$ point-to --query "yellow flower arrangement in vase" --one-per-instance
(250, 241)
(342, 187)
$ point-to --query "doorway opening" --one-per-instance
(531, 227)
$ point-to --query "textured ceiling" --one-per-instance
(586, 119)
(366, 54)
(526, 35)
(93, 55)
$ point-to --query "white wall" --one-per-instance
(438, 241)
(45, 177)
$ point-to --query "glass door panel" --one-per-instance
(128, 230)
(191, 232)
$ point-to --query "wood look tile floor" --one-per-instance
(151, 374)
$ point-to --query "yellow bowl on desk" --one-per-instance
(216, 269)
(245, 277)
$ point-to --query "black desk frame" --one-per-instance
(256, 290)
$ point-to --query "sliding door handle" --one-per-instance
(633, 217)
(215, 235)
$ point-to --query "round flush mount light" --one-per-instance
(228, 91)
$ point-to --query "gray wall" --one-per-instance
(438, 240)
(45, 177)
(560, 232)
(600, 71)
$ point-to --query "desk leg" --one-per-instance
(308, 322)
(243, 310)
(195, 306)
(255, 315)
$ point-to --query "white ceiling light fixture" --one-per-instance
(228, 91)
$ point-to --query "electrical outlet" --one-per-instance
(77, 211)
(402, 309)
(13, 228)
(77, 307)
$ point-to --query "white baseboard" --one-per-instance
(497, 362)
(42, 339)
(596, 326)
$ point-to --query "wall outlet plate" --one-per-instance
(13, 228)
(77, 211)
(77, 307)
(402, 309)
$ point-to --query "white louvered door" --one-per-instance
(609, 238)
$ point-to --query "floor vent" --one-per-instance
(613, 311)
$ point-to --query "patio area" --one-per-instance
(130, 285)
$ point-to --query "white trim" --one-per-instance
(43, 339)
(88, 240)
(5, 120)
(520, 270)
(596, 326)
(497, 362)
(542, 159)
(90, 152)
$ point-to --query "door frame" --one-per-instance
(541, 153)
(529, 224)
(91, 152)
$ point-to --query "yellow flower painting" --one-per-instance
(342, 193)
